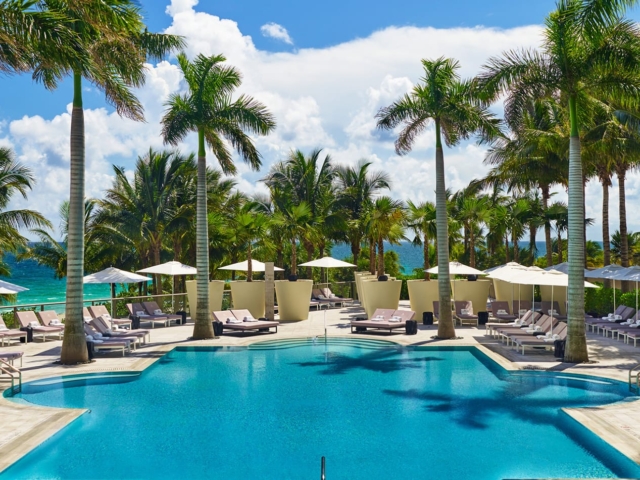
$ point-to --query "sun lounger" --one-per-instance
(632, 335)
(9, 333)
(464, 312)
(520, 307)
(620, 329)
(500, 311)
(103, 343)
(11, 357)
(318, 296)
(599, 327)
(541, 327)
(559, 333)
(334, 298)
(552, 311)
(383, 319)
(101, 311)
(49, 318)
(526, 320)
(235, 320)
(137, 310)
(152, 308)
(29, 319)
(102, 326)
(617, 315)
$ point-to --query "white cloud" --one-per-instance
(321, 98)
(275, 31)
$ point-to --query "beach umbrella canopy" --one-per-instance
(505, 266)
(7, 288)
(115, 275)
(256, 266)
(605, 273)
(457, 268)
(172, 268)
(327, 262)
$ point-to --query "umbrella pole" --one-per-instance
(113, 304)
(552, 310)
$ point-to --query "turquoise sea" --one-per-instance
(44, 288)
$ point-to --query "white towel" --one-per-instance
(522, 311)
(3, 328)
(553, 312)
(233, 320)
(502, 312)
(140, 313)
(106, 316)
(465, 311)
(34, 324)
(88, 319)
(55, 321)
(395, 319)
(617, 317)
(157, 311)
(249, 319)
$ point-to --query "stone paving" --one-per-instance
(23, 427)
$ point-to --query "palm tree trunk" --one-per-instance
(355, 251)
(202, 327)
(606, 238)
(74, 344)
(576, 346)
(547, 226)
(294, 257)
(249, 264)
(308, 246)
(446, 329)
(472, 249)
(624, 240)
(380, 256)
(516, 247)
(372, 257)
(532, 243)
(427, 262)
(506, 247)
(560, 247)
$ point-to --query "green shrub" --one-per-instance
(599, 301)
(10, 319)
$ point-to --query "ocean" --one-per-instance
(43, 288)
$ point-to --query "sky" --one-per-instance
(323, 69)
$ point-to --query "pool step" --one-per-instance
(320, 341)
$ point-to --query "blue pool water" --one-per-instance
(374, 411)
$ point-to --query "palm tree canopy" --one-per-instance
(440, 97)
(208, 107)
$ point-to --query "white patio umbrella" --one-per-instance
(327, 262)
(608, 272)
(630, 274)
(173, 269)
(506, 270)
(112, 276)
(7, 288)
(457, 268)
(256, 266)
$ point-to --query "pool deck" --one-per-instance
(23, 427)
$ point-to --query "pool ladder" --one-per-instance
(14, 373)
(322, 464)
(634, 379)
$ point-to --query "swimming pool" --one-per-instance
(374, 410)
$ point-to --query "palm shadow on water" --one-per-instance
(514, 398)
(380, 360)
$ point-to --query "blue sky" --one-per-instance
(324, 69)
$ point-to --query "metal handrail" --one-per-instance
(322, 467)
(634, 388)
(8, 369)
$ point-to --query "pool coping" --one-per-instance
(624, 440)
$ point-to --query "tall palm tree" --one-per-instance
(294, 220)
(109, 49)
(208, 109)
(250, 225)
(471, 211)
(588, 50)
(357, 187)
(421, 218)
(456, 112)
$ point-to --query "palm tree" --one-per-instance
(357, 187)
(309, 179)
(421, 219)
(471, 211)
(294, 220)
(143, 209)
(385, 223)
(15, 178)
(451, 104)
(208, 109)
(588, 50)
(250, 225)
(110, 46)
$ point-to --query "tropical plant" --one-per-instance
(421, 218)
(456, 112)
(357, 188)
(385, 222)
(250, 225)
(294, 220)
(588, 51)
(208, 109)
